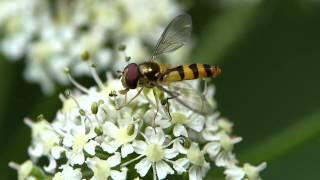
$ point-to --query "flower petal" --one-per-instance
(76, 158)
(36, 150)
(181, 165)
(170, 153)
(149, 133)
(158, 137)
(52, 165)
(177, 145)
(67, 140)
(143, 167)
(110, 129)
(56, 151)
(163, 169)
(163, 123)
(126, 149)
(110, 146)
(90, 147)
(119, 175)
(196, 123)
(225, 159)
(139, 146)
(213, 148)
(210, 135)
(180, 130)
(234, 173)
(70, 173)
(114, 160)
(195, 173)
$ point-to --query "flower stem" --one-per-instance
(296, 135)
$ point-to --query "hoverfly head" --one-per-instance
(130, 76)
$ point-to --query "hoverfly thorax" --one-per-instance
(130, 76)
(150, 70)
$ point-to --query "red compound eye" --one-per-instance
(132, 75)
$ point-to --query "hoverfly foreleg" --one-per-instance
(125, 100)
(178, 99)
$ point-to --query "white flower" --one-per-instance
(155, 153)
(44, 138)
(24, 170)
(194, 157)
(220, 145)
(79, 140)
(182, 120)
(68, 173)
(120, 136)
(102, 168)
(221, 150)
(247, 172)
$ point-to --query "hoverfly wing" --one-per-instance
(189, 98)
(174, 36)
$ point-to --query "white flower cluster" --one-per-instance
(50, 34)
(90, 139)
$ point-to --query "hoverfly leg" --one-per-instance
(165, 102)
(124, 92)
(157, 106)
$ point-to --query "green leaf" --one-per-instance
(279, 144)
(222, 32)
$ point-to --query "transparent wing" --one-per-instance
(190, 98)
(174, 36)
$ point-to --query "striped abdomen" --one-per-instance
(189, 72)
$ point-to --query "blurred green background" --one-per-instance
(270, 86)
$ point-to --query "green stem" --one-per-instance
(279, 144)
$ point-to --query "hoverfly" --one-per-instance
(151, 74)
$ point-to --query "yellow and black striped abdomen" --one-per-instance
(189, 72)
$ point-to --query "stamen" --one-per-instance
(82, 112)
(94, 107)
(97, 119)
(170, 143)
(104, 110)
(130, 129)
(144, 136)
(98, 131)
(14, 165)
(96, 76)
(28, 122)
(154, 172)
(131, 161)
(69, 94)
(62, 97)
(74, 82)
